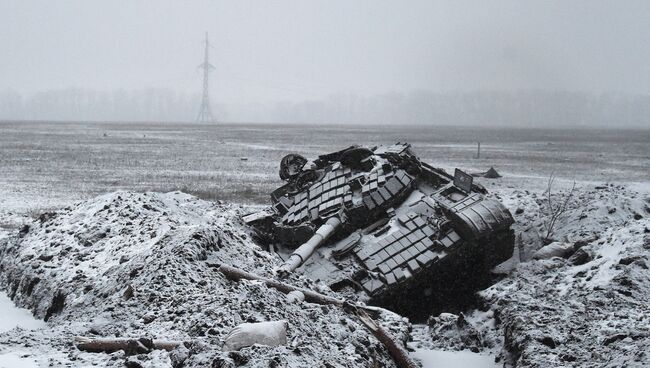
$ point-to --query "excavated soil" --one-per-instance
(580, 301)
(138, 265)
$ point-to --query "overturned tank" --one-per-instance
(400, 233)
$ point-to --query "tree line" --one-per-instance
(528, 108)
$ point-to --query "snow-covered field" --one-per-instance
(45, 165)
(129, 263)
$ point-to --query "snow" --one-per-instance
(142, 265)
(583, 311)
(566, 311)
(16, 359)
(453, 359)
(13, 316)
(540, 312)
(271, 333)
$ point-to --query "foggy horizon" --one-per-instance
(499, 109)
(295, 61)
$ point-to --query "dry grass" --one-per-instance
(59, 162)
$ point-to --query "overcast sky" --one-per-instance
(267, 51)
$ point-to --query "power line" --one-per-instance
(205, 111)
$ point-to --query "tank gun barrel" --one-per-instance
(303, 252)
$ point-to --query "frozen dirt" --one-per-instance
(581, 301)
(138, 264)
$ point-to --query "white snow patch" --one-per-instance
(453, 359)
(14, 359)
(13, 317)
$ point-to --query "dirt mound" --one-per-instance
(136, 265)
(586, 305)
(563, 312)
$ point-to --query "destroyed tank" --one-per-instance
(405, 235)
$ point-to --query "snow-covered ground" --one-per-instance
(583, 300)
(134, 264)
(17, 359)
(13, 316)
(453, 359)
(138, 265)
(585, 306)
(18, 319)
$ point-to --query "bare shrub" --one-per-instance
(556, 206)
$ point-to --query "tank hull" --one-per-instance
(410, 237)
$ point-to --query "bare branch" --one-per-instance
(553, 213)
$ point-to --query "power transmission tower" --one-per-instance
(205, 112)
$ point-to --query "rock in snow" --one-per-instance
(555, 249)
(270, 333)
